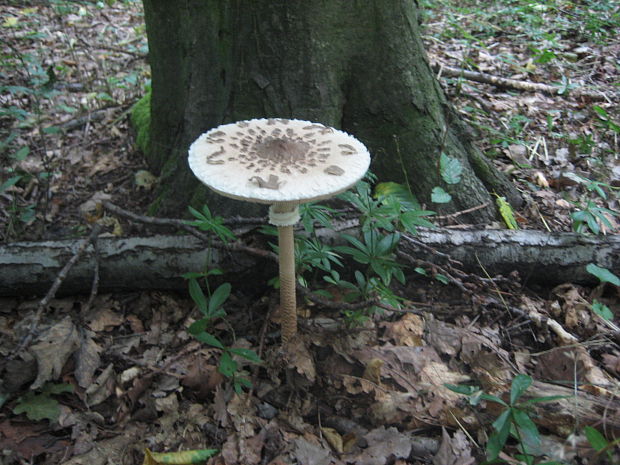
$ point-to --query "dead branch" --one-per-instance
(515, 84)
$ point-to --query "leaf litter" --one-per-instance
(371, 395)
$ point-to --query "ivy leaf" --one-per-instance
(38, 407)
(438, 195)
(450, 169)
(603, 274)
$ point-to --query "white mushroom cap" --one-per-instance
(278, 160)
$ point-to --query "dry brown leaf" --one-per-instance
(454, 450)
(384, 446)
(102, 387)
(88, 360)
(372, 371)
(103, 319)
(408, 331)
(53, 349)
(300, 360)
(311, 453)
(333, 438)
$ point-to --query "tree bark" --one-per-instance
(359, 66)
(132, 264)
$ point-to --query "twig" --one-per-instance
(462, 212)
(376, 302)
(513, 83)
(95, 285)
(181, 224)
(27, 339)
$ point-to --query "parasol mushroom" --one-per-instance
(282, 163)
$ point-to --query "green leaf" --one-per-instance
(248, 354)
(38, 407)
(537, 400)
(595, 438)
(219, 297)
(192, 275)
(209, 339)
(438, 195)
(497, 440)
(228, 366)
(22, 153)
(450, 169)
(195, 291)
(493, 398)
(187, 457)
(603, 274)
(400, 192)
(520, 384)
(602, 310)
(602, 113)
(462, 389)
(9, 183)
(199, 326)
(530, 438)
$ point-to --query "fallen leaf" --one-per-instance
(454, 450)
(311, 454)
(102, 387)
(53, 349)
(384, 446)
(333, 438)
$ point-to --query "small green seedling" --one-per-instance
(212, 309)
(604, 276)
(515, 420)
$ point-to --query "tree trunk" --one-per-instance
(131, 264)
(358, 66)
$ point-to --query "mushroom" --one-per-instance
(282, 163)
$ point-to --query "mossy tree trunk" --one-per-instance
(355, 65)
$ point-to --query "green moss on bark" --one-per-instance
(141, 121)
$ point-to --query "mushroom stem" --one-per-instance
(288, 304)
(286, 244)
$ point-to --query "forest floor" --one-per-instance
(103, 379)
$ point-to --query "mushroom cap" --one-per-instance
(278, 160)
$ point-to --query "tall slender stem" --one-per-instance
(288, 304)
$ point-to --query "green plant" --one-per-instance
(205, 221)
(377, 251)
(515, 420)
(590, 215)
(604, 276)
(212, 308)
(600, 444)
(41, 405)
(211, 305)
(605, 120)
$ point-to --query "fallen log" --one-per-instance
(157, 262)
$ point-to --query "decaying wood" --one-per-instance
(126, 264)
(541, 257)
(157, 262)
(513, 83)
